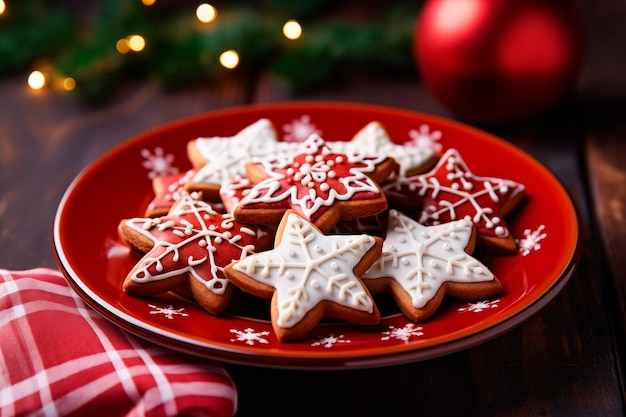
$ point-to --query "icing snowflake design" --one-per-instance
(403, 333)
(451, 191)
(330, 341)
(479, 306)
(421, 258)
(249, 336)
(373, 139)
(307, 267)
(192, 239)
(300, 129)
(424, 138)
(158, 163)
(531, 240)
(168, 311)
(312, 181)
(228, 156)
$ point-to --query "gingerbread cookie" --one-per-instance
(321, 185)
(309, 275)
(420, 264)
(218, 158)
(193, 242)
(450, 191)
(373, 139)
(167, 190)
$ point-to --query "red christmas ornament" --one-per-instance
(498, 61)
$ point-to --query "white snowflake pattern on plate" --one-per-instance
(168, 311)
(249, 336)
(531, 239)
(158, 163)
(423, 137)
(403, 333)
(330, 341)
(300, 129)
(479, 306)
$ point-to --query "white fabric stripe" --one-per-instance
(195, 388)
(166, 395)
(42, 385)
(130, 388)
(33, 284)
(60, 371)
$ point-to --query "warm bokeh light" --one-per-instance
(148, 2)
(69, 84)
(122, 46)
(136, 43)
(36, 80)
(292, 29)
(206, 13)
(3, 6)
(229, 59)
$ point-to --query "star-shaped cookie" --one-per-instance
(218, 158)
(321, 185)
(420, 264)
(373, 139)
(450, 191)
(193, 242)
(309, 275)
(167, 190)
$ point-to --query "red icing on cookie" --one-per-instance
(316, 181)
(192, 240)
(452, 192)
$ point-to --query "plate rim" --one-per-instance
(219, 352)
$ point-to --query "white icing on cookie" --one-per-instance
(228, 156)
(373, 139)
(308, 267)
(421, 258)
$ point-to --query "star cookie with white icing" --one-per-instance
(450, 191)
(191, 245)
(321, 185)
(218, 158)
(309, 275)
(420, 264)
(373, 139)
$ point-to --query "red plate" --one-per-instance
(118, 186)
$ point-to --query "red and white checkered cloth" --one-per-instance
(59, 358)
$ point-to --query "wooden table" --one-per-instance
(565, 361)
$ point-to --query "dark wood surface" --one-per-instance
(565, 361)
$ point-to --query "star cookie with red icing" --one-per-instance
(420, 264)
(321, 185)
(450, 191)
(192, 244)
(309, 275)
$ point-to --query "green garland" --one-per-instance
(181, 51)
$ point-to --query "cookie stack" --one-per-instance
(320, 226)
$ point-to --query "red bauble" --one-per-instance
(493, 61)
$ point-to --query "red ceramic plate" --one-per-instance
(118, 186)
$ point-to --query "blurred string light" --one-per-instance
(292, 29)
(135, 43)
(68, 84)
(206, 13)
(229, 59)
(3, 7)
(148, 2)
(36, 80)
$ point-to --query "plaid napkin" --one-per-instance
(58, 358)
